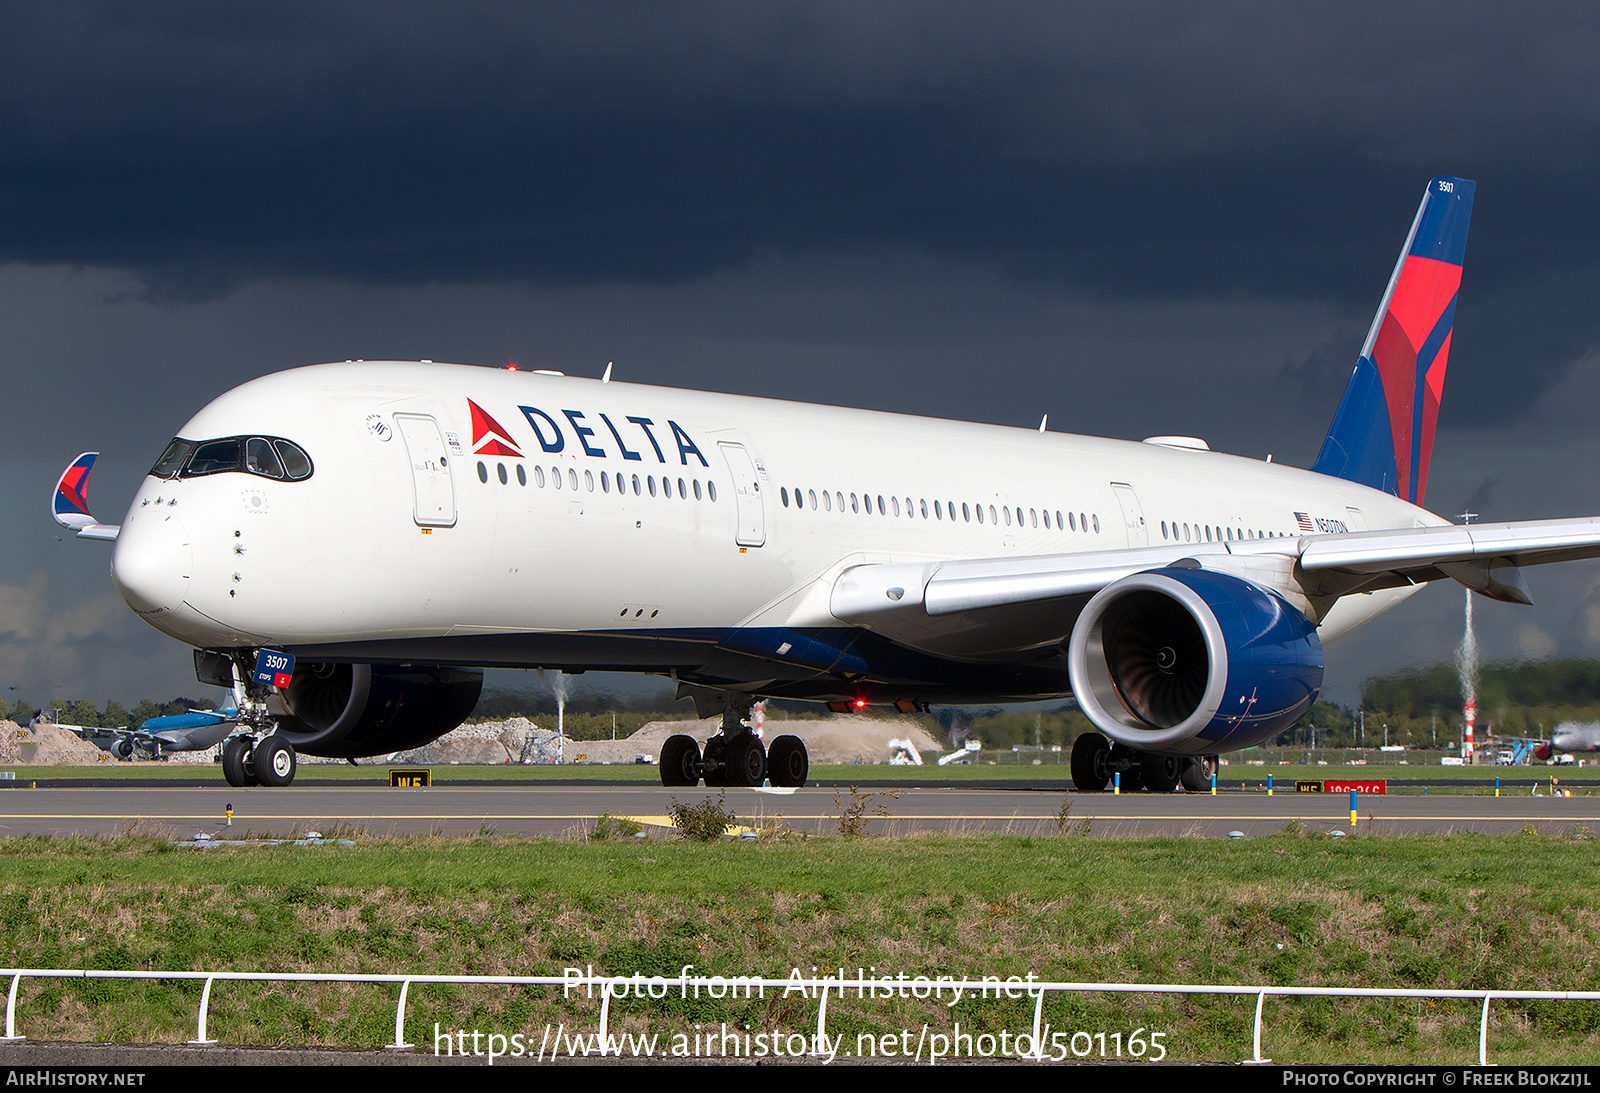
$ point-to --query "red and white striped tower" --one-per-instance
(1471, 712)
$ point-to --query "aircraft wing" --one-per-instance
(1484, 557)
(70, 502)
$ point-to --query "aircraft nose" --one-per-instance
(151, 564)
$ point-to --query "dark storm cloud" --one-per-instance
(1146, 151)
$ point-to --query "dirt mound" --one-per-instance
(842, 739)
(46, 745)
(491, 742)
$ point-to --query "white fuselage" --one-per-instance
(426, 532)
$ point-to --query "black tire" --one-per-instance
(274, 761)
(1132, 779)
(747, 761)
(1160, 773)
(787, 762)
(714, 763)
(680, 761)
(1089, 770)
(1197, 775)
(236, 767)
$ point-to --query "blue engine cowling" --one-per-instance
(1192, 662)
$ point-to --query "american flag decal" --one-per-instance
(1304, 520)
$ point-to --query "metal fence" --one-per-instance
(822, 988)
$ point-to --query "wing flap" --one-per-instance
(1530, 542)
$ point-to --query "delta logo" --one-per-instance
(71, 489)
(489, 437)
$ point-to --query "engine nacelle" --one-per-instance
(348, 711)
(1193, 662)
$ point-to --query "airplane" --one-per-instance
(194, 730)
(1569, 737)
(381, 532)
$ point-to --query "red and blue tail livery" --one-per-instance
(70, 503)
(1382, 435)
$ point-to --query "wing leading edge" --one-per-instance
(1483, 557)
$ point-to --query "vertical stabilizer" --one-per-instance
(1382, 435)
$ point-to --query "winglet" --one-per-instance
(70, 502)
(1382, 435)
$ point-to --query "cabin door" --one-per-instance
(746, 495)
(432, 487)
(1132, 515)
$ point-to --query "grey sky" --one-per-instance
(1146, 218)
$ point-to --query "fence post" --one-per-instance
(822, 1023)
(1038, 1019)
(11, 1012)
(1261, 1000)
(605, 1013)
(205, 1003)
(400, 1022)
(1483, 1033)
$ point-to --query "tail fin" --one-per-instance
(1382, 435)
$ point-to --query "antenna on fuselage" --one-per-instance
(1043, 422)
(607, 377)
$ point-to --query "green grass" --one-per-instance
(1448, 911)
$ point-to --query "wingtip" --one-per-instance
(69, 502)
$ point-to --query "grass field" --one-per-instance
(1458, 911)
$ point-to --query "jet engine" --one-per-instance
(347, 711)
(1193, 662)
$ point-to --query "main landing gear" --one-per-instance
(1095, 759)
(735, 756)
(267, 761)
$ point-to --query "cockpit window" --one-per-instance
(259, 458)
(296, 464)
(214, 457)
(173, 459)
(268, 457)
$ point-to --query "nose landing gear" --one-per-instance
(258, 755)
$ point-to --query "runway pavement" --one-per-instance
(554, 810)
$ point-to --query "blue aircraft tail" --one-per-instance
(1382, 434)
